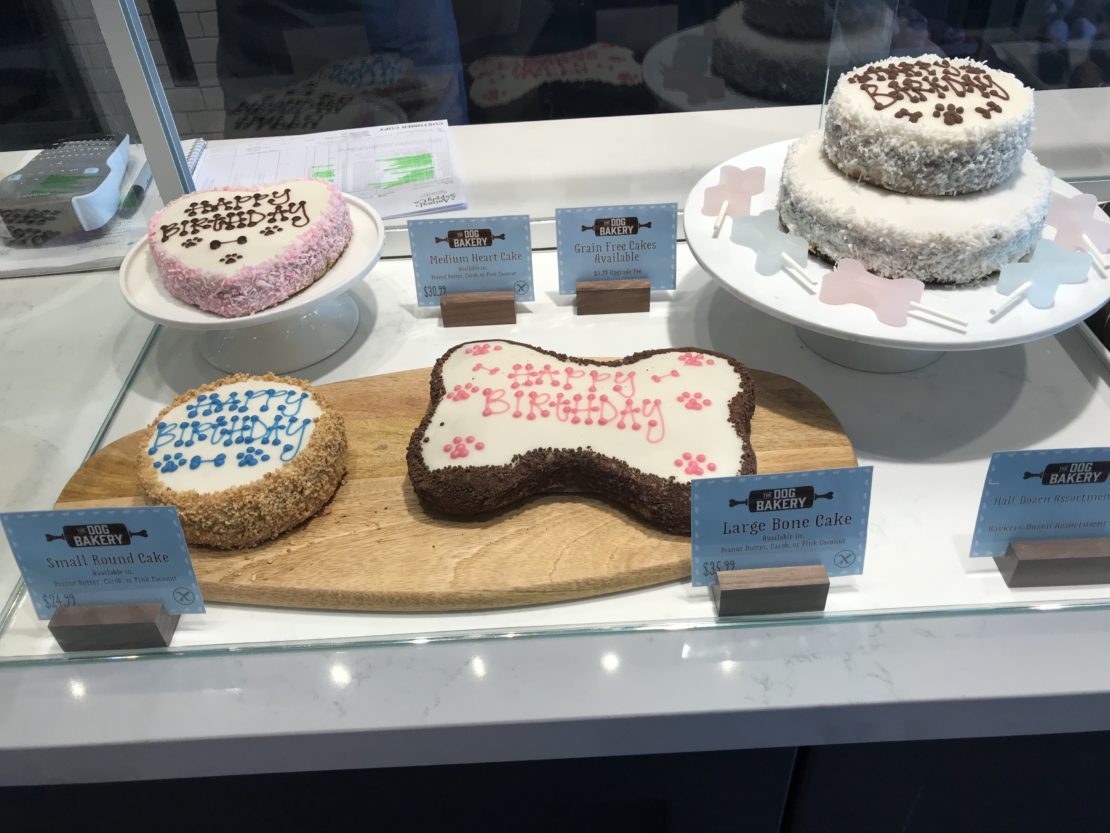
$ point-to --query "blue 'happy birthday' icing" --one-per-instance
(231, 425)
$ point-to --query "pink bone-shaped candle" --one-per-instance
(890, 300)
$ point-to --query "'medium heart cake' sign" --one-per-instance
(471, 254)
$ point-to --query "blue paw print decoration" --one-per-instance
(170, 462)
(252, 456)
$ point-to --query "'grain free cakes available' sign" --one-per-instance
(1043, 496)
(617, 242)
(471, 254)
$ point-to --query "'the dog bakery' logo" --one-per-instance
(1071, 474)
(616, 226)
(97, 535)
(469, 238)
(777, 500)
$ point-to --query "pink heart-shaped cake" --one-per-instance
(235, 251)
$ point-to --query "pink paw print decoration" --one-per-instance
(695, 360)
(461, 392)
(462, 446)
(481, 349)
(693, 401)
(694, 464)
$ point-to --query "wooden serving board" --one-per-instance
(375, 549)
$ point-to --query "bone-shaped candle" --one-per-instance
(892, 301)
(732, 195)
(1081, 226)
(1038, 278)
(507, 421)
(775, 250)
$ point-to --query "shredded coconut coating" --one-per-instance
(248, 515)
(944, 240)
(928, 156)
(255, 288)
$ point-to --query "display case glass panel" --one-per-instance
(233, 79)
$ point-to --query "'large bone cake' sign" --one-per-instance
(507, 421)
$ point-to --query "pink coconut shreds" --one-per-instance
(255, 288)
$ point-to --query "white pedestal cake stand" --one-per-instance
(301, 330)
(851, 335)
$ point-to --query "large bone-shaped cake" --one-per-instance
(507, 421)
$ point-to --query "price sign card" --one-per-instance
(780, 520)
(103, 556)
(471, 254)
(617, 242)
(1043, 495)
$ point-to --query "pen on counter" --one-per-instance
(134, 196)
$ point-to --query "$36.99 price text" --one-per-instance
(711, 568)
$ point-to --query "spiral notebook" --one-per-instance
(106, 247)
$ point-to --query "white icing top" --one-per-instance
(902, 96)
(224, 231)
(231, 436)
(499, 79)
(665, 415)
(1007, 208)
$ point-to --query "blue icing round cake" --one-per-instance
(244, 459)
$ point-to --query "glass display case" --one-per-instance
(672, 92)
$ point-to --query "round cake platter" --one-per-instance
(698, 44)
(851, 335)
(301, 330)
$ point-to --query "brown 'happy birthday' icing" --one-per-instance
(230, 213)
(916, 82)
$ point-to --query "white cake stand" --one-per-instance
(301, 330)
(851, 335)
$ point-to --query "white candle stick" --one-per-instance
(938, 314)
(720, 221)
(1011, 301)
(792, 266)
(1101, 261)
(956, 328)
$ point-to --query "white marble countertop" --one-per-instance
(682, 688)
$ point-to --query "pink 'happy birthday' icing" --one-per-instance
(588, 405)
(515, 399)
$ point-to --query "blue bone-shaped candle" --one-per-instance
(771, 244)
(1049, 267)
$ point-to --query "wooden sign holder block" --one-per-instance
(113, 627)
(603, 297)
(473, 309)
(1056, 562)
(759, 591)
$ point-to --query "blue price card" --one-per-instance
(103, 556)
(1043, 495)
(471, 254)
(780, 520)
(617, 242)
